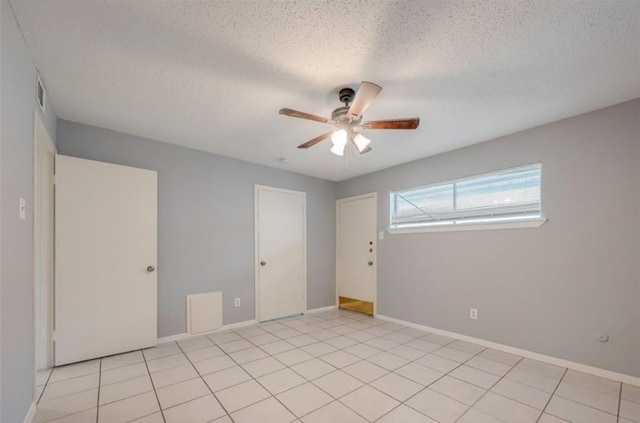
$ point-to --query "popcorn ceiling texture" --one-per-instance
(211, 75)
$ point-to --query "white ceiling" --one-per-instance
(212, 75)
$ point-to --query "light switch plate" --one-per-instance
(381, 235)
(22, 209)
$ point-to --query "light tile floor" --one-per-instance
(334, 366)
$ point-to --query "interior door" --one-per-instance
(281, 253)
(356, 253)
(106, 249)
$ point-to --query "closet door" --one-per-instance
(281, 253)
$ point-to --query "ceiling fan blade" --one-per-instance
(367, 92)
(366, 150)
(411, 123)
(316, 140)
(302, 115)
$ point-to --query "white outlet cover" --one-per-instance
(473, 313)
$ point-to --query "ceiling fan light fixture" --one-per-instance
(339, 140)
(361, 142)
(339, 137)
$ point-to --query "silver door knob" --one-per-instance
(263, 263)
(150, 269)
(370, 263)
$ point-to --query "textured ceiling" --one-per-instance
(212, 75)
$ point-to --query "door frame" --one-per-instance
(42, 143)
(339, 201)
(256, 250)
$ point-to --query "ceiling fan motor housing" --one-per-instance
(339, 115)
(346, 95)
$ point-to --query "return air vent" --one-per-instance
(204, 312)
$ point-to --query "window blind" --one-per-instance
(511, 194)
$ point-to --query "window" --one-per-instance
(510, 195)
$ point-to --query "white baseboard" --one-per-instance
(31, 413)
(181, 336)
(596, 371)
(321, 309)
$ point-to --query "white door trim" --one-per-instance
(373, 195)
(40, 128)
(256, 252)
(41, 137)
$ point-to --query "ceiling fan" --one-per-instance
(348, 120)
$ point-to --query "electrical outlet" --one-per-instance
(473, 313)
(236, 302)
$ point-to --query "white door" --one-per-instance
(281, 253)
(106, 249)
(356, 252)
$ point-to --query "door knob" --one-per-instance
(150, 269)
(370, 263)
(263, 263)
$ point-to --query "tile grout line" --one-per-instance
(46, 383)
(552, 394)
(99, 386)
(619, 403)
(155, 392)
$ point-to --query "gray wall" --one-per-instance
(17, 86)
(205, 220)
(549, 289)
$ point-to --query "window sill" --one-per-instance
(471, 227)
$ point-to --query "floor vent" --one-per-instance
(204, 312)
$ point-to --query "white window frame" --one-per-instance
(470, 224)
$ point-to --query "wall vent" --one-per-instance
(204, 312)
(41, 94)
